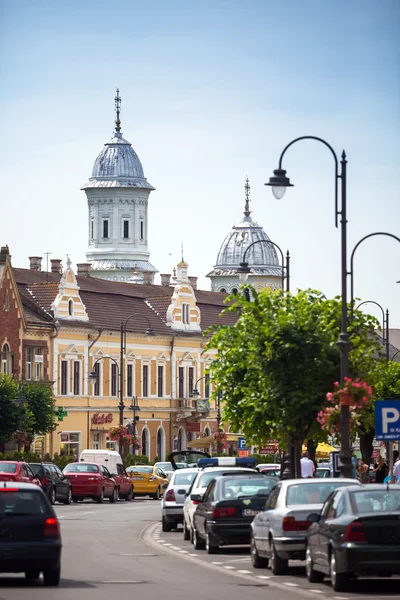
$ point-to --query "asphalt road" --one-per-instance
(119, 551)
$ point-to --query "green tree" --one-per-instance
(8, 409)
(39, 408)
(276, 364)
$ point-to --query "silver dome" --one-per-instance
(239, 239)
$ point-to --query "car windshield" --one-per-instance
(205, 479)
(37, 469)
(322, 473)
(81, 468)
(310, 493)
(135, 469)
(236, 488)
(366, 501)
(184, 478)
(8, 468)
(164, 466)
(22, 502)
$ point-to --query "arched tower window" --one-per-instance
(70, 307)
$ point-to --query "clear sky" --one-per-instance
(212, 91)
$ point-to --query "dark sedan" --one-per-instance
(225, 513)
(55, 484)
(357, 533)
(30, 540)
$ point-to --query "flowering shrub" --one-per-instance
(360, 391)
(220, 438)
(119, 432)
(21, 437)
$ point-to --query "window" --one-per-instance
(181, 382)
(185, 313)
(207, 386)
(223, 290)
(76, 377)
(70, 444)
(113, 379)
(97, 441)
(160, 381)
(234, 291)
(141, 230)
(273, 498)
(64, 377)
(209, 495)
(97, 370)
(38, 357)
(106, 224)
(129, 380)
(191, 380)
(125, 229)
(91, 229)
(70, 307)
(28, 364)
(145, 381)
(110, 445)
(5, 359)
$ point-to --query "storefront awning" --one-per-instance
(205, 442)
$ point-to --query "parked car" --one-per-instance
(199, 486)
(356, 533)
(225, 513)
(279, 532)
(322, 472)
(272, 470)
(30, 540)
(168, 469)
(147, 480)
(113, 462)
(174, 497)
(13, 470)
(89, 480)
(54, 483)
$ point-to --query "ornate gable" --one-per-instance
(68, 304)
(183, 313)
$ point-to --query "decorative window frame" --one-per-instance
(145, 363)
(103, 219)
(68, 392)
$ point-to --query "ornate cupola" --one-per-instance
(117, 195)
(262, 258)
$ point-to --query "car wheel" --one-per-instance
(32, 574)
(165, 525)
(75, 499)
(191, 535)
(278, 565)
(257, 561)
(211, 548)
(156, 496)
(52, 495)
(129, 495)
(100, 499)
(68, 499)
(339, 581)
(312, 575)
(51, 576)
(198, 543)
(186, 531)
(114, 495)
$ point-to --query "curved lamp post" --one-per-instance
(385, 323)
(244, 268)
(279, 182)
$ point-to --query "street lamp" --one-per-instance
(244, 268)
(279, 182)
(134, 407)
(196, 394)
(385, 323)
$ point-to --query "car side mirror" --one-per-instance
(314, 517)
(196, 497)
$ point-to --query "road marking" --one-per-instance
(119, 581)
(228, 567)
(183, 552)
(320, 592)
(193, 555)
(289, 584)
(215, 562)
(176, 548)
(263, 577)
(244, 571)
(165, 544)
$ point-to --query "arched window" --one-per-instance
(70, 307)
(223, 290)
(145, 450)
(160, 443)
(234, 291)
(5, 360)
(181, 442)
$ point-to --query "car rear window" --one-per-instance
(140, 469)
(164, 466)
(8, 468)
(81, 468)
(184, 478)
(37, 469)
(21, 502)
(205, 479)
(310, 493)
(366, 501)
(236, 488)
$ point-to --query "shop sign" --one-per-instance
(243, 453)
(99, 419)
(193, 427)
(270, 448)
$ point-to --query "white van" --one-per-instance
(113, 462)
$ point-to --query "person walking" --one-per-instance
(363, 472)
(307, 466)
(396, 467)
(380, 470)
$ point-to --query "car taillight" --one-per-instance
(220, 513)
(45, 481)
(93, 478)
(51, 527)
(152, 478)
(170, 496)
(5, 489)
(290, 524)
(355, 533)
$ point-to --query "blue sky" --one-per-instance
(211, 92)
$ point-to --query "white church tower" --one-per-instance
(118, 195)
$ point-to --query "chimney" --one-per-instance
(166, 279)
(4, 252)
(147, 277)
(84, 269)
(193, 282)
(56, 265)
(35, 263)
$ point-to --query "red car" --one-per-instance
(89, 480)
(124, 483)
(12, 470)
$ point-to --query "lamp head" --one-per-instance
(195, 393)
(279, 182)
(150, 332)
(93, 376)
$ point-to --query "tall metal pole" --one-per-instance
(218, 422)
(287, 271)
(121, 387)
(387, 336)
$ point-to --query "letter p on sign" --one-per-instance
(389, 415)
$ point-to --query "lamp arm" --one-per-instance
(273, 244)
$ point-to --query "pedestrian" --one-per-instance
(396, 467)
(363, 472)
(307, 466)
(75, 458)
(354, 466)
(380, 470)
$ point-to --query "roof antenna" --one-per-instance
(247, 210)
(117, 110)
(47, 265)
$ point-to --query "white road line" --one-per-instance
(193, 555)
(228, 567)
(216, 562)
(263, 577)
(167, 544)
(244, 571)
(183, 552)
(176, 548)
(289, 584)
(321, 592)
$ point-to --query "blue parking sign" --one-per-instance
(387, 419)
(242, 443)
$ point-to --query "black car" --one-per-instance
(223, 516)
(357, 533)
(30, 540)
(55, 484)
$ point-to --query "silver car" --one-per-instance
(174, 497)
(279, 532)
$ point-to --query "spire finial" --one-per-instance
(117, 100)
(182, 251)
(247, 210)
